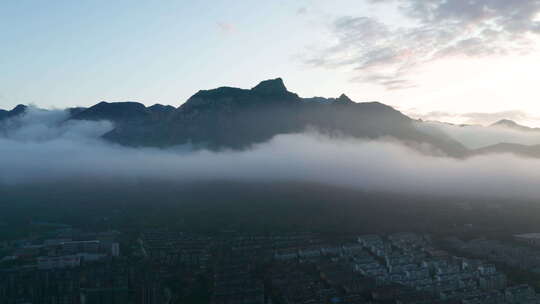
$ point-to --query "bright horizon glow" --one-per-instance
(63, 53)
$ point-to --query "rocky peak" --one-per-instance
(114, 111)
(344, 99)
(271, 87)
(506, 122)
(19, 109)
(161, 108)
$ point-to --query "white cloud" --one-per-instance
(387, 54)
(57, 151)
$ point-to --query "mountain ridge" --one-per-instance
(510, 124)
(17, 110)
(236, 118)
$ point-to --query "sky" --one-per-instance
(459, 61)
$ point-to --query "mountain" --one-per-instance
(341, 99)
(115, 111)
(122, 112)
(234, 118)
(134, 123)
(510, 124)
(19, 109)
(75, 110)
(510, 147)
(159, 109)
(238, 118)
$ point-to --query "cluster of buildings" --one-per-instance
(234, 268)
(518, 254)
(399, 268)
(235, 280)
(190, 250)
(103, 282)
(64, 250)
(63, 266)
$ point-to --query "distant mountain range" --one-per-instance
(233, 118)
(506, 123)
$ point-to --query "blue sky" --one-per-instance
(61, 53)
(77, 53)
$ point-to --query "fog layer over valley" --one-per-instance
(45, 147)
(476, 136)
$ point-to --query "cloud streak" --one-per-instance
(387, 54)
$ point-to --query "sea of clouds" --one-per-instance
(45, 146)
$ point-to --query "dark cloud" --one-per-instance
(380, 50)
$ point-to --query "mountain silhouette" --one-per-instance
(234, 118)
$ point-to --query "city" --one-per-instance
(65, 265)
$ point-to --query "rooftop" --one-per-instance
(535, 235)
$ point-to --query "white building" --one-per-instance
(529, 238)
(66, 261)
(115, 249)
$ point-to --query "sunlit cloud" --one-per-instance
(387, 54)
(477, 118)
